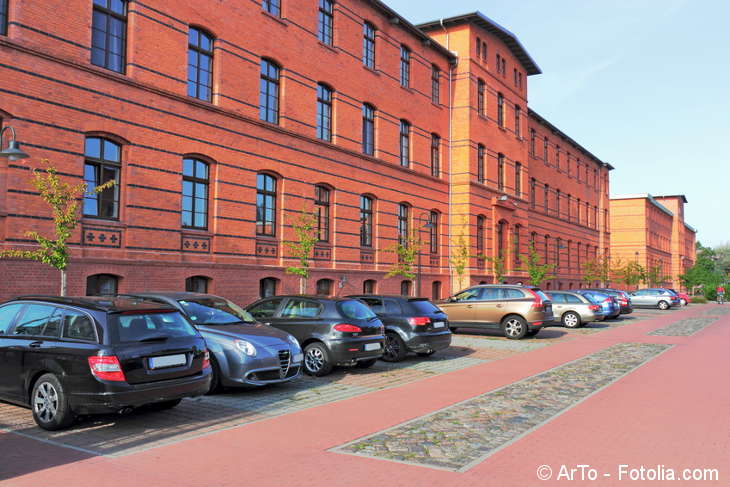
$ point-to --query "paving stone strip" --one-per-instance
(460, 436)
(718, 311)
(686, 327)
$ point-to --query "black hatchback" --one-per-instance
(65, 357)
(411, 325)
(332, 331)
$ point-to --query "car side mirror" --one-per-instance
(451, 299)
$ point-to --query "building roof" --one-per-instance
(646, 196)
(396, 19)
(681, 196)
(562, 134)
(690, 227)
(481, 20)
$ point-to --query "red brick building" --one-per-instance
(221, 122)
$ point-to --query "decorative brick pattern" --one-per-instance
(685, 327)
(195, 244)
(101, 237)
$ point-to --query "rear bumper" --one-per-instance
(625, 310)
(349, 350)
(424, 342)
(113, 397)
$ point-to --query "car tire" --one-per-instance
(571, 320)
(662, 305)
(215, 377)
(366, 364)
(683, 302)
(395, 348)
(514, 327)
(316, 360)
(426, 354)
(163, 405)
(51, 410)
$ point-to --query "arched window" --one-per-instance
(481, 173)
(435, 155)
(269, 94)
(479, 47)
(102, 164)
(324, 112)
(481, 97)
(435, 84)
(108, 33)
(403, 223)
(516, 245)
(366, 221)
(500, 238)
(518, 179)
(500, 109)
(480, 236)
(268, 287)
(195, 193)
(518, 121)
(405, 288)
(368, 45)
(326, 21)
(500, 172)
(405, 143)
(102, 285)
(368, 129)
(405, 66)
(324, 287)
(265, 205)
(433, 232)
(368, 286)
(436, 290)
(197, 284)
(322, 209)
(200, 64)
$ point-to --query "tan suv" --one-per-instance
(518, 311)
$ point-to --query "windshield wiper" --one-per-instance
(154, 338)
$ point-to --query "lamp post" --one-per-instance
(12, 152)
(429, 224)
(636, 256)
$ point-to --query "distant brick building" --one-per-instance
(651, 231)
(220, 122)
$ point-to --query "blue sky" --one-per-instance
(642, 84)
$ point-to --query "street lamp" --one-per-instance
(636, 255)
(429, 225)
(12, 152)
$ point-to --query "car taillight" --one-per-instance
(419, 320)
(347, 328)
(206, 359)
(537, 304)
(106, 368)
(594, 307)
(607, 300)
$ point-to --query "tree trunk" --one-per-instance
(63, 282)
(302, 285)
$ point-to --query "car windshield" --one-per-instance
(212, 311)
(135, 327)
(355, 310)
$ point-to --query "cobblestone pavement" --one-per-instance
(114, 435)
(718, 311)
(461, 435)
(685, 327)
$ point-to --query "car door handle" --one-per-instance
(35, 344)
(468, 306)
(499, 306)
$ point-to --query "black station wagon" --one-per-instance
(65, 357)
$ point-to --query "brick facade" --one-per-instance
(56, 98)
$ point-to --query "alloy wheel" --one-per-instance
(570, 320)
(45, 402)
(392, 347)
(314, 360)
(513, 327)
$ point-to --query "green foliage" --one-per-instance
(705, 274)
(699, 299)
(460, 257)
(653, 276)
(598, 269)
(629, 273)
(537, 272)
(63, 199)
(407, 251)
(497, 268)
(305, 229)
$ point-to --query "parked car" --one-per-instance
(684, 298)
(654, 298)
(518, 311)
(242, 351)
(623, 298)
(411, 325)
(332, 331)
(574, 310)
(609, 305)
(65, 357)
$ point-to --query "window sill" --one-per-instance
(275, 18)
(109, 222)
(437, 105)
(483, 117)
(198, 232)
(372, 70)
(329, 47)
(408, 89)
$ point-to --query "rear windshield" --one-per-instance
(424, 306)
(542, 295)
(210, 311)
(355, 310)
(142, 326)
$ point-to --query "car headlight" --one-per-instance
(293, 340)
(246, 347)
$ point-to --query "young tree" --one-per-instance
(598, 269)
(537, 272)
(497, 268)
(407, 251)
(63, 199)
(704, 274)
(305, 229)
(629, 273)
(653, 276)
(460, 258)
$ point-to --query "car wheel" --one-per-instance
(51, 410)
(426, 354)
(395, 348)
(215, 377)
(366, 364)
(316, 360)
(663, 305)
(514, 327)
(683, 302)
(571, 320)
(163, 405)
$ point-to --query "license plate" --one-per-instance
(372, 346)
(298, 357)
(438, 324)
(168, 361)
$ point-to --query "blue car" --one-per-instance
(610, 307)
